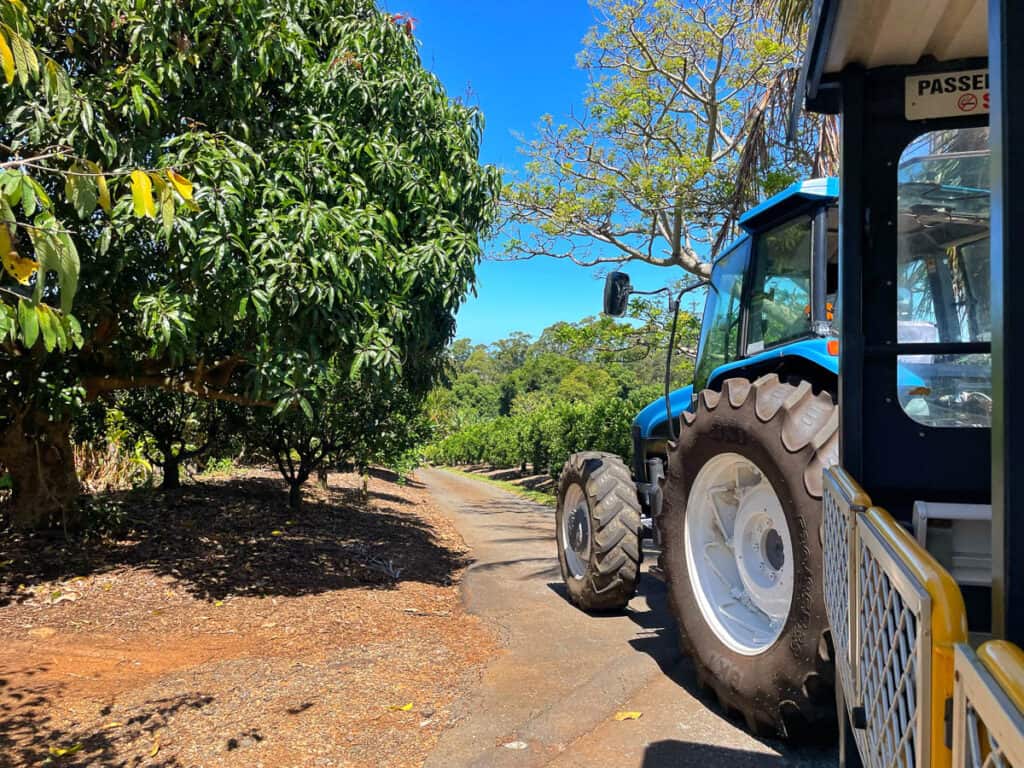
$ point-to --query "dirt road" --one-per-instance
(550, 698)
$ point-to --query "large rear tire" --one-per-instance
(742, 552)
(598, 531)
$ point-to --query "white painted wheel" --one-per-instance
(576, 532)
(739, 553)
(597, 526)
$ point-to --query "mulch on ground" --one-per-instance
(217, 628)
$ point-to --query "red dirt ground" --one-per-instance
(219, 629)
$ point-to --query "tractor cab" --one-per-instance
(770, 305)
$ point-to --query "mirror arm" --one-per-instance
(673, 307)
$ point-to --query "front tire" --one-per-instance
(598, 530)
(742, 553)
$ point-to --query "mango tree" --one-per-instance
(339, 203)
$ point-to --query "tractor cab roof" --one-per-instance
(778, 207)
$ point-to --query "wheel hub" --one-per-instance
(739, 553)
(576, 531)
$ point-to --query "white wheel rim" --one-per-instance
(739, 554)
(576, 531)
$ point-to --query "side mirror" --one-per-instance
(616, 294)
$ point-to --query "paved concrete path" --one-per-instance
(563, 675)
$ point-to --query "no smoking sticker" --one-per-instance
(967, 103)
(947, 94)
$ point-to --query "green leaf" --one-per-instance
(47, 321)
(166, 197)
(25, 61)
(44, 199)
(29, 322)
(82, 193)
(69, 267)
(28, 196)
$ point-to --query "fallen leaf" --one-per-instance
(65, 751)
(156, 747)
(628, 715)
(516, 745)
(402, 707)
(218, 603)
(5, 563)
(67, 597)
(277, 533)
(108, 726)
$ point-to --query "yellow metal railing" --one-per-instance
(988, 699)
(896, 616)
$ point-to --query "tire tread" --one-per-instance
(807, 422)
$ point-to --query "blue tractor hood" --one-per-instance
(653, 416)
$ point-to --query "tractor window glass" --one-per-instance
(720, 332)
(780, 300)
(942, 287)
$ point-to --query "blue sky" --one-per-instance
(517, 60)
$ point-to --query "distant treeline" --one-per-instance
(525, 402)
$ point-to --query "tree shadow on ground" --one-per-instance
(238, 538)
(31, 735)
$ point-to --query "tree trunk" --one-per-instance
(295, 494)
(38, 454)
(172, 472)
(321, 477)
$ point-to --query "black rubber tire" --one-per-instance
(613, 566)
(791, 434)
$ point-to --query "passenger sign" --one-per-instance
(947, 94)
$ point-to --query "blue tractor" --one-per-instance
(726, 474)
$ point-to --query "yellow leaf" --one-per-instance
(17, 266)
(277, 533)
(401, 707)
(219, 603)
(102, 190)
(156, 747)
(142, 195)
(183, 185)
(109, 726)
(628, 715)
(8, 59)
(64, 751)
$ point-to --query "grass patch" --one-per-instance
(538, 496)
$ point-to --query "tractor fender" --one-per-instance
(806, 357)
